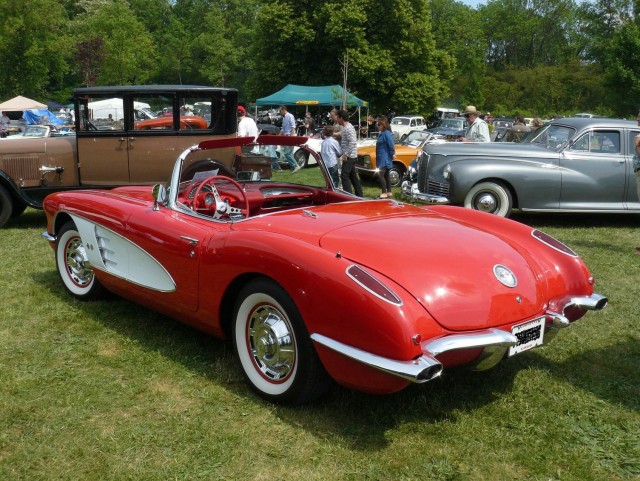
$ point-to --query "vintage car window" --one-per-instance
(553, 137)
(195, 113)
(632, 137)
(102, 113)
(153, 112)
(400, 121)
(598, 142)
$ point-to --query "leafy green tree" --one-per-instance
(129, 50)
(35, 54)
(527, 33)
(457, 30)
(622, 66)
(392, 58)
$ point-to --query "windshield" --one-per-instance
(416, 137)
(235, 183)
(452, 124)
(551, 136)
(400, 121)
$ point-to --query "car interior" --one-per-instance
(212, 189)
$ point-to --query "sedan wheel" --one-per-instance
(73, 264)
(273, 346)
(490, 197)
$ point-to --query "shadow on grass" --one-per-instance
(611, 373)
(29, 219)
(568, 219)
(359, 419)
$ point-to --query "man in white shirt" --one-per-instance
(478, 130)
(247, 126)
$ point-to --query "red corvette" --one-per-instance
(308, 281)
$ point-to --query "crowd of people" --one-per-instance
(339, 145)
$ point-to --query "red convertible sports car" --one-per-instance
(307, 280)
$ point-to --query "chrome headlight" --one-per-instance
(446, 172)
(367, 161)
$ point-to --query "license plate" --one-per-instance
(530, 334)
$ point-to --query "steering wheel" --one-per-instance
(213, 199)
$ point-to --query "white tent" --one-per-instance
(21, 103)
(101, 109)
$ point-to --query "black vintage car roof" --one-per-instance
(123, 89)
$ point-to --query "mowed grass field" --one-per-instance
(112, 391)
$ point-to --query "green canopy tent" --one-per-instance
(325, 95)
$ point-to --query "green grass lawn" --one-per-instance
(112, 391)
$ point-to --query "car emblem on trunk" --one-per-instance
(505, 276)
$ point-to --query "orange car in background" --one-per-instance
(406, 151)
(186, 122)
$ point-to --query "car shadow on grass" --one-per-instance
(359, 418)
(569, 219)
(29, 219)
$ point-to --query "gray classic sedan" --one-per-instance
(572, 164)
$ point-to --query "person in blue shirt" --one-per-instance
(330, 152)
(288, 128)
(385, 153)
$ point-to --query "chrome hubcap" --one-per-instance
(271, 341)
(78, 265)
(394, 178)
(486, 202)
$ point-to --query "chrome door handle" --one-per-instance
(190, 240)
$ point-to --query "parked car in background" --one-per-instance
(111, 146)
(39, 132)
(572, 164)
(289, 269)
(401, 125)
(440, 114)
(450, 129)
(406, 151)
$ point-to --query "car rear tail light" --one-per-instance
(553, 243)
(373, 285)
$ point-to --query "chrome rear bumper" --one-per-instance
(493, 342)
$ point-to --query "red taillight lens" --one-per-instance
(553, 243)
(373, 285)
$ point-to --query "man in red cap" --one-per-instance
(246, 125)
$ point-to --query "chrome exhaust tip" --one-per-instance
(594, 302)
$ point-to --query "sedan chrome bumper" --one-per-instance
(409, 190)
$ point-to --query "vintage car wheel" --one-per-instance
(395, 176)
(301, 157)
(73, 265)
(273, 346)
(6, 206)
(490, 197)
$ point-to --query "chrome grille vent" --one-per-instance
(437, 188)
(22, 167)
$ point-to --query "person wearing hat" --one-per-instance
(247, 126)
(478, 130)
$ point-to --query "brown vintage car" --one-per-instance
(112, 145)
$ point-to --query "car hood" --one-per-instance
(444, 264)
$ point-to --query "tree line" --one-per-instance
(533, 57)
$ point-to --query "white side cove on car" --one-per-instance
(112, 253)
